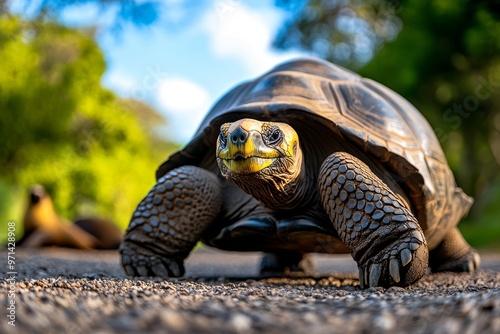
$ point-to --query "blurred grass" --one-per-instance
(485, 236)
(482, 227)
(12, 204)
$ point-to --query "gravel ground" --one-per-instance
(69, 291)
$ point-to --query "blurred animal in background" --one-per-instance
(44, 227)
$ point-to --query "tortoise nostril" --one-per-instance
(239, 136)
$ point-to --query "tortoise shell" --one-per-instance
(325, 103)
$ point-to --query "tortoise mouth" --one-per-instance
(247, 165)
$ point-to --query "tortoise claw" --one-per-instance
(405, 256)
(375, 272)
(142, 270)
(160, 270)
(175, 269)
(394, 270)
(129, 270)
(362, 278)
(470, 266)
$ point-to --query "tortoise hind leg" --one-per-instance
(169, 221)
(382, 234)
(454, 254)
(286, 264)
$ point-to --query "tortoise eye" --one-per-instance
(222, 139)
(274, 136)
(224, 129)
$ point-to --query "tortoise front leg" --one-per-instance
(169, 221)
(384, 237)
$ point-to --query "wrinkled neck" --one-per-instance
(279, 191)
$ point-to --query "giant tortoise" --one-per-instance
(43, 227)
(309, 157)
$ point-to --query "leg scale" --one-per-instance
(383, 235)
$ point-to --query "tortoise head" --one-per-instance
(37, 193)
(262, 158)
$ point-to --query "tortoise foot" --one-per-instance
(467, 263)
(384, 237)
(286, 264)
(137, 264)
(401, 263)
(169, 221)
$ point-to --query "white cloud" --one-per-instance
(186, 104)
(119, 82)
(181, 96)
(237, 31)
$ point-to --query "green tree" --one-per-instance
(443, 56)
(95, 153)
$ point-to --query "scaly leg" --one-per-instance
(384, 237)
(169, 221)
(454, 254)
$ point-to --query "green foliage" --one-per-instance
(448, 65)
(94, 152)
(443, 56)
(484, 231)
(347, 32)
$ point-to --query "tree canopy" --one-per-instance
(94, 152)
(443, 56)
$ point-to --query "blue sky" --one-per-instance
(181, 70)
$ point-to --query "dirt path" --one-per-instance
(64, 291)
